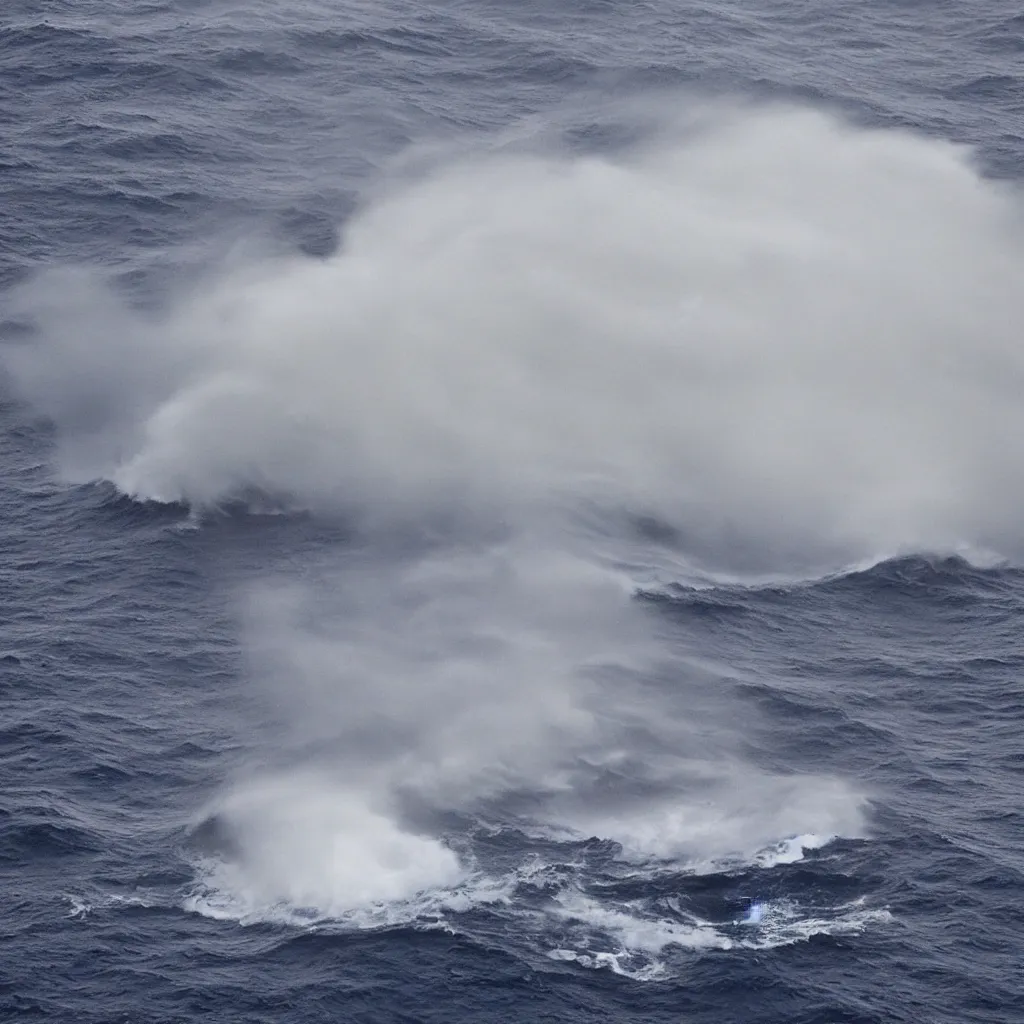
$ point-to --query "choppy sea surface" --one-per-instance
(511, 512)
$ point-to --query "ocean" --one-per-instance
(511, 512)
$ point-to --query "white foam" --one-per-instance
(634, 938)
(449, 683)
(84, 906)
(785, 922)
(220, 894)
(306, 848)
(80, 908)
(622, 963)
(789, 851)
(738, 820)
(639, 932)
(642, 939)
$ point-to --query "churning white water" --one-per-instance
(780, 337)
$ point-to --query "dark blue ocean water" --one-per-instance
(511, 512)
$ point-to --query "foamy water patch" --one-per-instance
(221, 894)
(789, 851)
(637, 930)
(784, 922)
(566, 910)
(305, 847)
(642, 941)
(638, 940)
(736, 818)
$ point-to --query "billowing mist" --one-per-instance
(785, 341)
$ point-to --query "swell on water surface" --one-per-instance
(533, 383)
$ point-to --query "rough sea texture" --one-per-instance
(512, 512)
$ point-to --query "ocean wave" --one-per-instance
(558, 909)
(784, 335)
